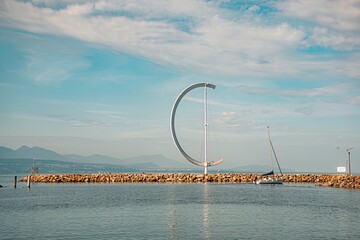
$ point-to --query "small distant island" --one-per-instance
(327, 180)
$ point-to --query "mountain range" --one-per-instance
(38, 153)
(21, 159)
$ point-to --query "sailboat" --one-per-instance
(205, 163)
(34, 169)
(269, 178)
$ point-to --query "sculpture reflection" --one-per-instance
(197, 210)
(205, 212)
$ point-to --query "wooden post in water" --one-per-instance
(28, 181)
(15, 181)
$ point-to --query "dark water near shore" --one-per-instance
(177, 211)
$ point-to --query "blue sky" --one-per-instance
(100, 77)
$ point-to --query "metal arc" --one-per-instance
(172, 126)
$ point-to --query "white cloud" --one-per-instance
(109, 114)
(76, 10)
(338, 15)
(329, 90)
(228, 114)
(69, 121)
(213, 43)
(307, 110)
(46, 59)
(228, 120)
(191, 35)
(336, 23)
(355, 100)
(320, 91)
(335, 40)
(160, 8)
(254, 9)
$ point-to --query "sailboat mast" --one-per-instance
(270, 150)
(205, 131)
(273, 150)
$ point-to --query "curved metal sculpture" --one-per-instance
(172, 126)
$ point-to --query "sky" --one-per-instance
(101, 77)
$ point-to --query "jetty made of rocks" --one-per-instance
(327, 180)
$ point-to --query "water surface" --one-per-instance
(178, 211)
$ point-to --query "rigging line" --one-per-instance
(271, 155)
(198, 126)
(276, 157)
(196, 122)
(214, 134)
(202, 123)
(202, 149)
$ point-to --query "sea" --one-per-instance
(177, 211)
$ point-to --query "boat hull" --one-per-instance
(270, 181)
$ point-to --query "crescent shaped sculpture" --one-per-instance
(172, 126)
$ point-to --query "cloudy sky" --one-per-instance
(100, 77)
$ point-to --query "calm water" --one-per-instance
(177, 211)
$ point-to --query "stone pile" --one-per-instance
(342, 181)
(330, 180)
(143, 178)
(326, 180)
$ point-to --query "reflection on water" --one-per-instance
(173, 225)
(205, 212)
(203, 222)
(173, 222)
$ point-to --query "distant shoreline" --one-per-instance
(327, 180)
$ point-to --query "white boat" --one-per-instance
(270, 178)
(270, 181)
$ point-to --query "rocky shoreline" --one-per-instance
(327, 180)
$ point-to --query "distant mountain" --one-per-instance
(27, 152)
(102, 158)
(38, 152)
(144, 166)
(156, 161)
(19, 160)
(6, 152)
(23, 166)
(97, 158)
(140, 162)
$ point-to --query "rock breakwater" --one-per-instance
(328, 180)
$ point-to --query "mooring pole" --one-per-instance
(28, 181)
(349, 163)
(15, 181)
